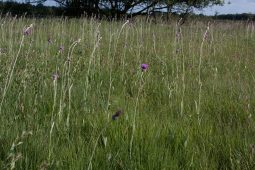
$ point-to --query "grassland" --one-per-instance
(193, 108)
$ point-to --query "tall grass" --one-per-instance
(193, 108)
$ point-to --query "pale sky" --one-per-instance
(235, 6)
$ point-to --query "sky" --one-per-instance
(231, 7)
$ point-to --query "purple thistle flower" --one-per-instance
(55, 76)
(61, 48)
(144, 66)
(178, 35)
(50, 40)
(178, 50)
(117, 114)
(206, 35)
(2, 50)
(28, 30)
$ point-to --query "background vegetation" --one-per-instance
(61, 80)
(40, 11)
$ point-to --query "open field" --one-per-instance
(63, 80)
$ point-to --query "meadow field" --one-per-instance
(73, 94)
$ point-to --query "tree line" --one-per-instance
(29, 10)
(243, 16)
(108, 8)
(130, 8)
(112, 9)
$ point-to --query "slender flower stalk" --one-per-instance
(142, 83)
(205, 36)
(10, 73)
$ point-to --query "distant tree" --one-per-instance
(185, 7)
(120, 8)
